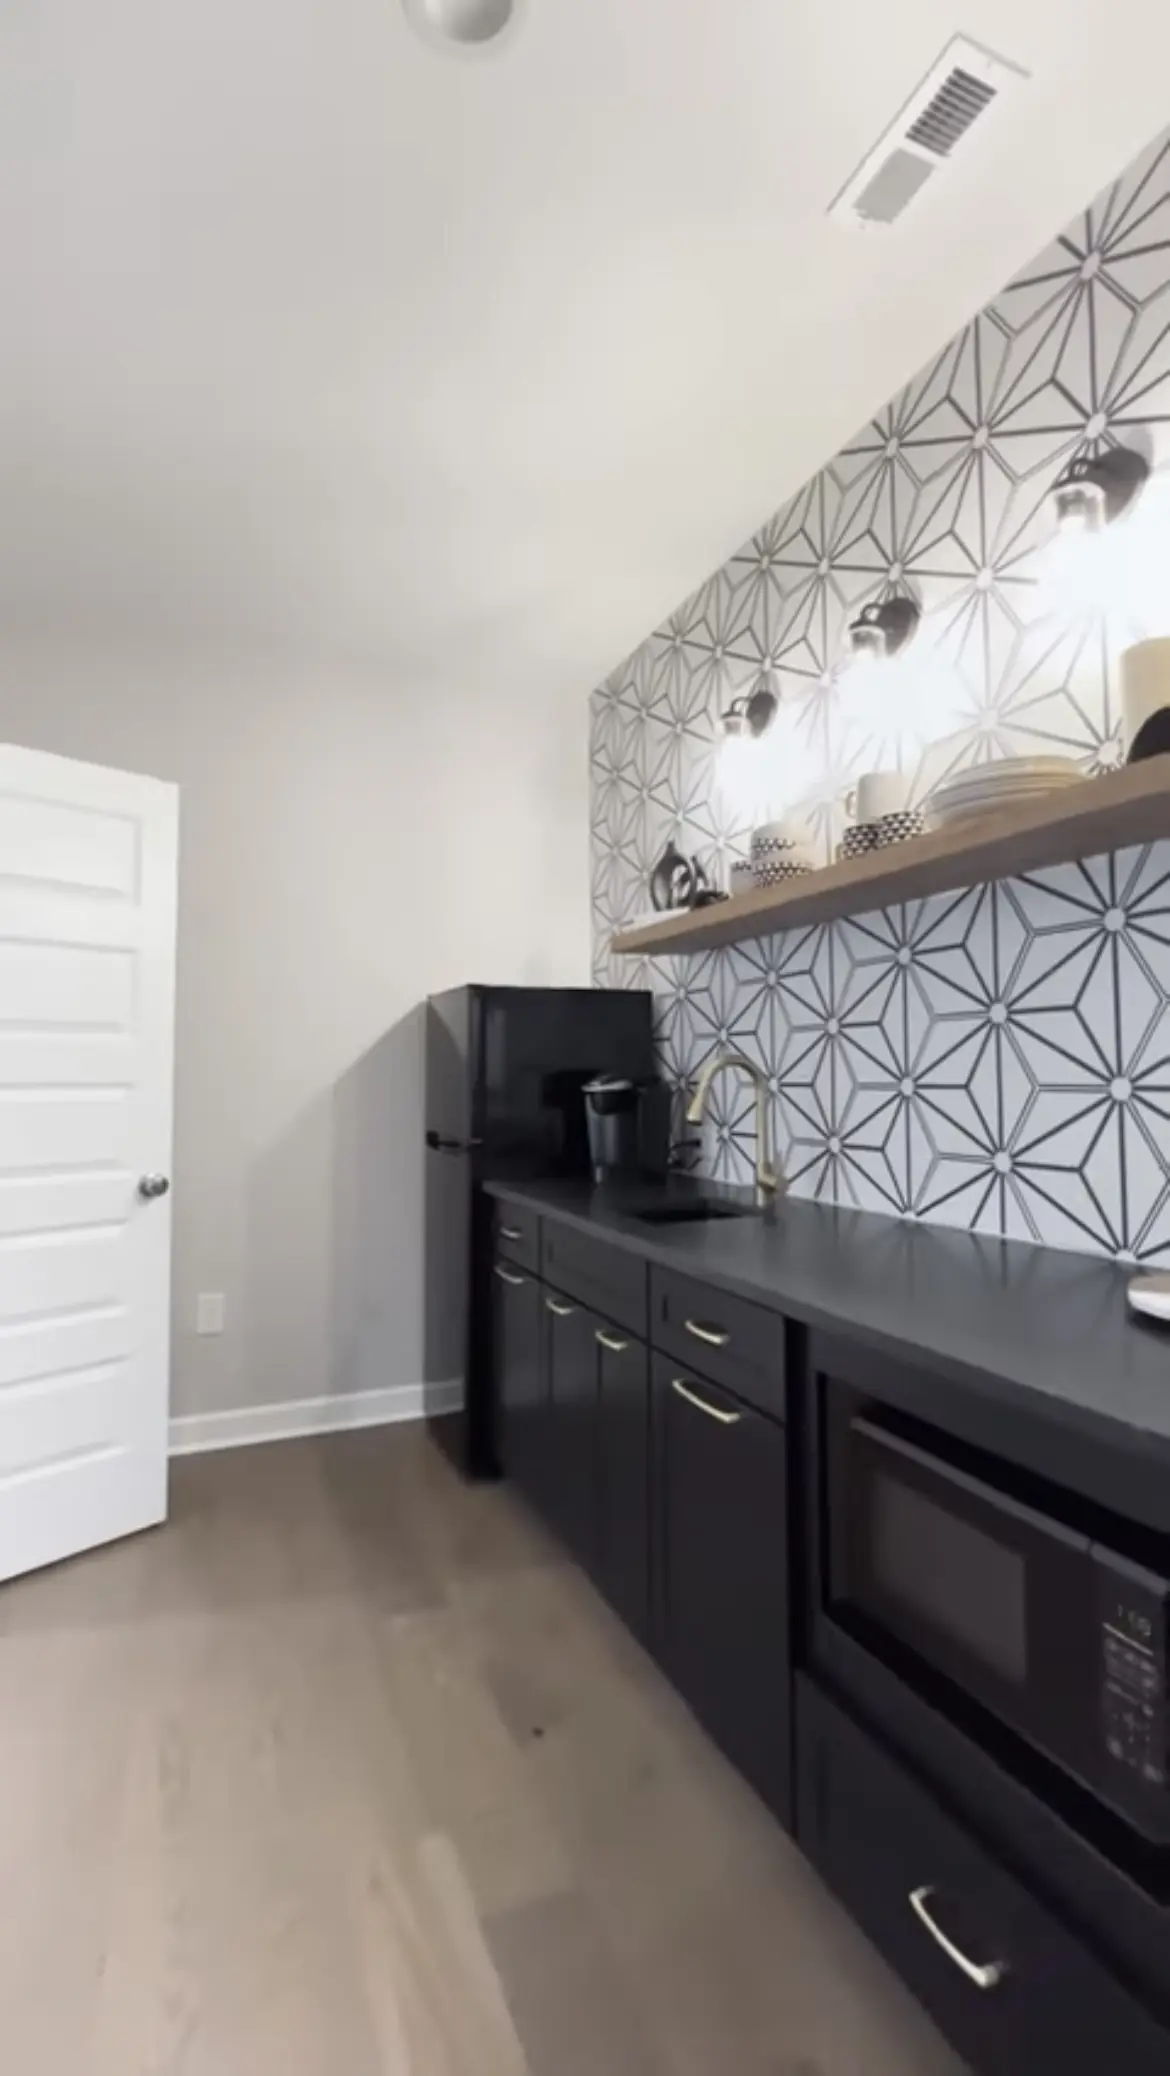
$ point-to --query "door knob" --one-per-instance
(153, 1186)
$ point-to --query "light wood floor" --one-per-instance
(344, 1773)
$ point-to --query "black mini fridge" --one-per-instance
(504, 1074)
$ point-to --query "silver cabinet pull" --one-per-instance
(151, 1186)
(611, 1342)
(558, 1310)
(506, 1276)
(714, 1336)
(988, 1977)
(511, 1232)
(713, 1412)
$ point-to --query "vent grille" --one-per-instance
(959, 100)
(965, 84)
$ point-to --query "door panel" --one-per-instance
(722, 1559)
(572, 1386)
(67, 985)
(520, 1381)
(87, 942)
(623, 1476)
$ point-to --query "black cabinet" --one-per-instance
(571, 1455)
(516, 1233)
(522, 1407)
(740, 1344)
(721, 1561)
(623, 1475)
(613, 1283)
(1014, 1991)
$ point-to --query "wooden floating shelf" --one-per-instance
(1105, 814)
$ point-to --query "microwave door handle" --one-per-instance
(944, 1473)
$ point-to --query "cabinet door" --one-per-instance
(520, 1381)
(722, 1564)
(571, 1355)
(623, 1475)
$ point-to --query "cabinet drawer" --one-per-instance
(516, 1232)
(612, 1282)
(737, 1343)
(1013, 1991)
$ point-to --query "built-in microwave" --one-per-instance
(1014, 1599)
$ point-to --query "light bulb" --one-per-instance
(893, 707)
(1082, 573)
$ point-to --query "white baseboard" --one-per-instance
(300, 1416)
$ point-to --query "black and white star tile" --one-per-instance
(997, 1059)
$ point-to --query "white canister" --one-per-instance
(880, 793)
(793, 831)
(1145, 697)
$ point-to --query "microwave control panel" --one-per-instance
(1132, 1615)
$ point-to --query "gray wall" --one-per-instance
(346, 848)
(998, 1059)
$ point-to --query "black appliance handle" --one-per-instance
(439, 1144)
(946, 1473)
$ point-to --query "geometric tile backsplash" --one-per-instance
(998, 1058)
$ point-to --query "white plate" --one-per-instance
(993, 783)
(974, 810)
(1008, 782)
(1019, 766)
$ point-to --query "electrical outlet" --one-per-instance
(210, 1312)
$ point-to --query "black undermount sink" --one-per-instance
(693, 1213)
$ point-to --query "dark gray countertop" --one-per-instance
(1043, 1332)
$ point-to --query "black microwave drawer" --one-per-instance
(728, 1339)
(517, 1234)
(1014, 1992)
(605, 1278)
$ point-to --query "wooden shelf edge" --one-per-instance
(1105, 814)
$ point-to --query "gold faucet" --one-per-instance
(771, 1181)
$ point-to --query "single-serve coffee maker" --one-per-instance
(629, 1128)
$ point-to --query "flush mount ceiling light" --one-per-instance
(1097, 488)
(468, 25)
(880, 630)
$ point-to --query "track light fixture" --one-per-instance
(752, 713)
(883, 628)
(1095, 489)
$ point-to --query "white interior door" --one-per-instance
(87, 961)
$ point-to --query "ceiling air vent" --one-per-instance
(956, 94)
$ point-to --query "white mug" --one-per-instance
(879, 793)
(1145, 691)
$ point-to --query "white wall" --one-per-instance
(346, 848)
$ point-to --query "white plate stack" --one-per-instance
(1012, 782)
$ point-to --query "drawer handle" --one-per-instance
(713, 1412)
(988, 1977)
(511, 1232)
(611, 1342)
(558, 1310)
(506, 1276)
(714, 1336)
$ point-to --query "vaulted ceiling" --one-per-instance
(312, 335)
